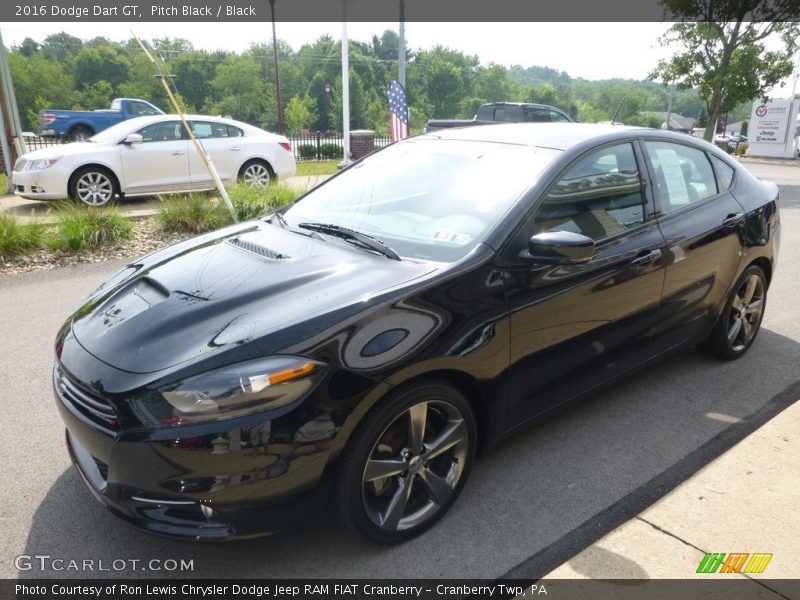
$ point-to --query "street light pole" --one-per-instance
(277, 71)
(401, 68)
(345, 85)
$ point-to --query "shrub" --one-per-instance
(83, 227)
(18, 239)
(331, 151)
(252, 202)
(195, 213)
(741, 148)
(307, 151)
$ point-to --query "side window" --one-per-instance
(162, 132)
(234, 131)
(599, 196)
(536, 115)
(202, 130)
(140, 109)
(557, 117)
(500, 114)
(724, 172)
(513, 114)
(683, 175)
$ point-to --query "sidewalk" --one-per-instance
(746, 500)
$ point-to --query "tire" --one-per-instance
(93, 186)
(741, 317)
(80, 133)
(256, 173)
(396, 480)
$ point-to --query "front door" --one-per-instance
(160, 163)
(575, 326)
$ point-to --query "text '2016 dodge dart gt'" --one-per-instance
(359, 346)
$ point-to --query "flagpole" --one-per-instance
(345, 85)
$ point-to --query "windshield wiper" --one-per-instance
(350, 235)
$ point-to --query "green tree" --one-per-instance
(297, 115)
(101, 63)
(242, 93)
(724, 54)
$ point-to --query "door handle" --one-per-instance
(235, 148)
(733, 220)
(646, 259)
(178, 153)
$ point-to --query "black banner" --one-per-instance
(333, 10)
(732, 587)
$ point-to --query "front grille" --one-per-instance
(96, 408)
(256, 249)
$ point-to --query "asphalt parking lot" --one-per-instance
(530, 505)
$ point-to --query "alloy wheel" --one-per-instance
(256, 175)
(94, 188)
(745, 314)
(415, 465)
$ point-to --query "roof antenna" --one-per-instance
(616, 112)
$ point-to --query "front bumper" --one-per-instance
(214, 486)
(45, 184)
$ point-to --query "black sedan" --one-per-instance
(361, 346)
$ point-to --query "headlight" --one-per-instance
(231, 391)
(41, 163)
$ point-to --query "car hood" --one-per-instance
(227, 289)
(72, 149)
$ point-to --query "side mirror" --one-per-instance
(133, 138)
(559, 248)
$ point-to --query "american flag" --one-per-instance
(398, 106)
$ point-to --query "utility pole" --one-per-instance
(345, 84)
(10, 127)
(669, 106)
(401, 68)
(277, 71)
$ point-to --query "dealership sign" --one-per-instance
(769, 121)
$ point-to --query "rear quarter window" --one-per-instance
(723, 171)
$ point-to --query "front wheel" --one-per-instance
(80, 134)
(92, 186)
(407, 463)
(741, 317)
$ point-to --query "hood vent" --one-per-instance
(254, 248)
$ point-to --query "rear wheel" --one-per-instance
(80, 133)
(256, 173)
(740, 320)
(93, 186)
(407, 463)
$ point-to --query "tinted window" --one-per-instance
(557, 117)
(209, 129)
(162, 132)
(599, 196)
(683, 175)
(724, 173)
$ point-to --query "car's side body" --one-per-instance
(517, 338)
(164, 161)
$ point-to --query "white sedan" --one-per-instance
(153, 155)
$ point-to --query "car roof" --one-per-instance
(559, 136)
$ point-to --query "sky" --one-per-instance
(587, 50)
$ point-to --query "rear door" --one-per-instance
(575, 326)
(701, 223)
(224, 144)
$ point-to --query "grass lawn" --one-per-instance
(322, 167)
(3, 184)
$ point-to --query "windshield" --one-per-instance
(116, 132)
(428, 199)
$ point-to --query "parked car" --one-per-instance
(363, 344)
(80, 125)
(152, 155)
(504, 112)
